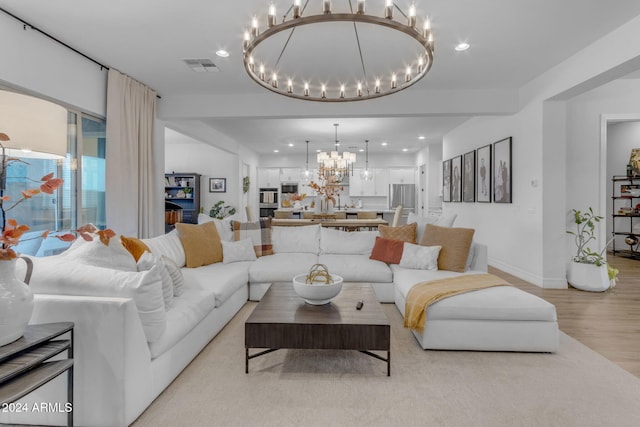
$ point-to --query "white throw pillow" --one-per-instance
(146, 261)
(304, 239)
(63, 276)
(420, 257)
(176, 275)
(222, 225)
(113, 255)
(168, 245)
(444, 220)
(242, 250)
(347, 243)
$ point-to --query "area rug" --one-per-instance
(574, 387)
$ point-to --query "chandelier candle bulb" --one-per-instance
(246, 39)
(427, 28)
(359, 89)
(341, 91)
(274, 80)
(388, 9)
(296, 9)
(323, 93)
(252, 64)
(271, 18)
(254, 27)
(407, 77)
(394, 81)
(420, 64)
(306, 89)
(289, 86)
(326, 6)
(262, 72)
(360, 7)
(377, 85)
(412, 15)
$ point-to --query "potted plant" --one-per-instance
(588, 270)
(220, 210)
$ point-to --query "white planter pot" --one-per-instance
(16, 303)
(588, 277)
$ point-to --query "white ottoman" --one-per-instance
(501, 318)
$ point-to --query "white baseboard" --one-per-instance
(546, 283)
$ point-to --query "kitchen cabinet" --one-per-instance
(289, 174)
(268, 177)
(402, 176)
(377, 187)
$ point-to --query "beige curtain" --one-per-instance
(131, 196)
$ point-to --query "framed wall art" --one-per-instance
(469, 177)
(501, 164)
(456, 179)
(483, 174)
(217, 185)
(446, 181)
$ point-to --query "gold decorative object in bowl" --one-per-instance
(318, 287)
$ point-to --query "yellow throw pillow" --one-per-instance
(136, 247)
(455, 244)
(404, 233)
(202, 245)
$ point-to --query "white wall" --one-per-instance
(185, 154)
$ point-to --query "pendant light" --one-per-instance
(366, 174)
(305, 175)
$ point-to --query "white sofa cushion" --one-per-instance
(61, 276)
(349, 243)
(186, 312)
(497, 303)
(222, 225)
(146, 262)
(242, 250)
(168, 245)
(280, 267)
(221, 279)
(305, 239)
(94, 252)
(444, 220)
(357, 268)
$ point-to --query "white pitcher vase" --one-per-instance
(16, 302)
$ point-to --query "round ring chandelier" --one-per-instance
(365, 87)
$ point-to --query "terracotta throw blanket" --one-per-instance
(425, 293)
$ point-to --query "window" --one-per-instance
(80, 200)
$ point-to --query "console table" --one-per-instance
(24, 366)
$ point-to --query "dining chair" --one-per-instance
(396, 216)
(308, 215)
(367, 215)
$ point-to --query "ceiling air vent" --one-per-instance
(202, 65)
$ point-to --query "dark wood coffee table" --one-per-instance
(283, 320)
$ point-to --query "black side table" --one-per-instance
(24, 364)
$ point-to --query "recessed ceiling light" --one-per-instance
(421, 137)
(291, 144)
(361, 150)
(317, 151)
(222, 53)
(405, 149)
(276, 151)
(384, 144)
(462, 46)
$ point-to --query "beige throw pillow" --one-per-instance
(202, 245)
(455, 244)
(404, 233)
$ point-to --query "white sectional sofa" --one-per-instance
(120, 370)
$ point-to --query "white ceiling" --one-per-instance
(512, 42)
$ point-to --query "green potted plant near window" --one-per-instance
(588, 270)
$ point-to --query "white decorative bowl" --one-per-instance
(317, 293)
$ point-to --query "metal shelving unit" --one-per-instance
(621, 201)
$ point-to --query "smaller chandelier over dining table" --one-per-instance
(303, 64)
(334, 166)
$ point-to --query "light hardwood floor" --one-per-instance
(607, 322)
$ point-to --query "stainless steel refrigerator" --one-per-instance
(405, 195)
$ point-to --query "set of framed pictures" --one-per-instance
(481, 175)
